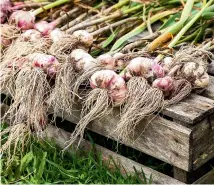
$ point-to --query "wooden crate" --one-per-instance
(183, 136)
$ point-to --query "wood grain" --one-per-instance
(181, 175)
(195, 107)
(203, 146)
(163, 139)
(191, 110)
(206, 179)
(61, 136)
(191, 177)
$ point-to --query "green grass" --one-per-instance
(43, 162)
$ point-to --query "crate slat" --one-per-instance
(203, 146)
(61, 136)
(195, 107)
(181, 175)
(163, 139)
(191, 110)
(206, 179)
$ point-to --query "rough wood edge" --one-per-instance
(180, 175)
(206, 179)
(202, 145)
(61, 136)
(202, 134)
(192, 109)
(205, 96)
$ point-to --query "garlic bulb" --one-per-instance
(23, 19)
(165, 84)
(84, 36)
(120, 63)
(118, 90)
(201, 82)
(77, 54)
(5, 5)
(102, 79)
(106, 60)
(167, 63)
(158, 70)
(44, 27)
(47, 62)
(85, 63)
(56, 35)
(139, 66)
(31, 35)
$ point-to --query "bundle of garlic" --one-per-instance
(31, 90)
(152, 86)
(5, 6)
(73, 62)
(76, 69)
(188, 69)
(29, 77)
(8, 34)
(142, 100)
(28, 42)
(108, 90)
(190, 63)
(64, 44)
(61, 97)
(23, 20)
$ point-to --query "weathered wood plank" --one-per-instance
(203, 145)
(163, 139)
(206, 179)
(191, 110)
(180, 175)
(195, 107)
(190, 177)
(61, 136)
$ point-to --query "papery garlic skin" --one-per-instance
(23, 19)
(85, 37)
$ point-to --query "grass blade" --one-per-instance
(41, 166)
(137, 176)
(26, 160)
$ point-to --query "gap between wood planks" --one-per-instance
(60, 137)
